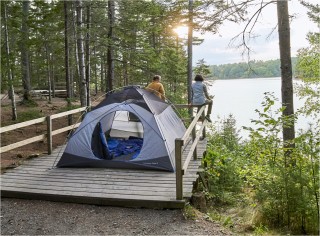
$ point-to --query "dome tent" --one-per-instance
(131, 128)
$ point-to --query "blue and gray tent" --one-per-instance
(132, 128)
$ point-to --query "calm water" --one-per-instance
(241, 97)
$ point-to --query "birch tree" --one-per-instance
(10, 79)
(66, 51)
(82, 79)
(88, 69)
(110, 52)
(25, 69)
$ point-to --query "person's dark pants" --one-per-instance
(209, 103)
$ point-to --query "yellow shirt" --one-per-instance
(157, 89)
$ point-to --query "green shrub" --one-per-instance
(29, 115)
(284, 188)
(222, 160)
(68, 108)
(189, 212)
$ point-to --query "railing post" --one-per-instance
(179, 173)
(204, 129)
(193, 138)
(70, 119)
(49, 134)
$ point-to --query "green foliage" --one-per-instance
(144, 44)
(201, 68)
(29, 115)
(68, 108)
(308, 71)
(284, 190)
(222, 161)
(253, 69)
(189, 212)
(227, 221)
(29, 103)
(260, 230)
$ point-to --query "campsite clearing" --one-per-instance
(34, 217)
(39, 179)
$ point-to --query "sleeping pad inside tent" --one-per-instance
(130, 128)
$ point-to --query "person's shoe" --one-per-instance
(208, 118)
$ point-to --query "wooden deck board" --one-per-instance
(38, 179)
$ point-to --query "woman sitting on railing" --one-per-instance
(200, 95)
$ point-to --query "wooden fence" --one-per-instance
(48, 134)
(180, 143)
(181, 168)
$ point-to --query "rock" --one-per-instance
(19, 155)
(198, 200)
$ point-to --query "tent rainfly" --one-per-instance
(132, 128)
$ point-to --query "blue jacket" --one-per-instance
(199, 93)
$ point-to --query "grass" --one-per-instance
(29, 115)
(239, 213)
(68, 108)
(29, 103)
(189, 212)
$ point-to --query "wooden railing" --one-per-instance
(49, 133)
(181, 168)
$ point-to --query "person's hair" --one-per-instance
(198, 78)
(156, 77)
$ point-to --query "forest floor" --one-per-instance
(34, 217)
(16, 157)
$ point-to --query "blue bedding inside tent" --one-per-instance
(120, 147)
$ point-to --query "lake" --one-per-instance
(241, 97)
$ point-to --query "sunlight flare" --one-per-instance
(181, 31)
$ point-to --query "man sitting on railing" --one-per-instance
(200, 95)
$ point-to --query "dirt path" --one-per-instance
(32, 217)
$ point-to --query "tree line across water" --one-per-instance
(252, 69)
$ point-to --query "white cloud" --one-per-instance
(215, 50)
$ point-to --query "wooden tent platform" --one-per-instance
(39, 179)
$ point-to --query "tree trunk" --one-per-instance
(48, 69)
(95, 72)
(125, 71)
(76, 73)
(82, 79)
(25, 51)
(66, 57)
(190, 35)
(53, 82)
(110, 52)
(66, 53)
(198, 200)
(102, 78)
(286, 75)
(88, 53)
(10, 78)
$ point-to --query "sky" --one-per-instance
(215, 50)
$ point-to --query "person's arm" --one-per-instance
(205, 90)
(161, 91)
